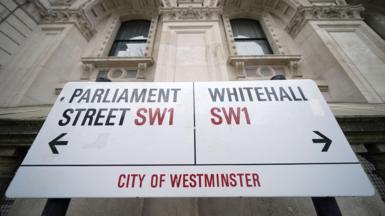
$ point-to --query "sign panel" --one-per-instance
(216, 139)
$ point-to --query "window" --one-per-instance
(131, 39)
(249, 37)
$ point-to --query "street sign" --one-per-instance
(203, 139)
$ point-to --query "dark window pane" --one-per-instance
(253, 47)
(249, 37)
(131, 39)
(126, 49)
(102, 74)
(134, 30)
(131, 73)
(246, 28)
(251, 72)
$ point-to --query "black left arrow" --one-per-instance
(56, 142)
(324, 140)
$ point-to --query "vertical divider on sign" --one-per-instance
(195, 146)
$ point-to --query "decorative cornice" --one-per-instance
(113, 61)
(184, 3)
(290, 61)
(265, 59)
(61, 2)
(70, 16)
(190, 13)
(304, 14)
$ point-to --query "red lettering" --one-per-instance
(128, 180)
(162, 176)
(185, 180)
(141, 178)
(229, 116)
(209, 180)
(154, 181)
(248, 180)
(200, 179)
(120, 180)
(175, 180)
(133, 180)
(193, 182)
(171, 119)
(225, 180)
(233, 180)
(214, 113)
(256, 180)
(141, 118)
(244, 109)
(240, 175)
(157, 116)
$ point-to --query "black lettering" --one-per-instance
(293, 95)
(76, 93)
(85, 96)
(271, 92)
(99, 116)
(111, 116)
(98, 94)
(175, 96)
(79, 111)
(137, 97)
(241, 94)
(124, 110)
(151, 95)
(284, 94)
(105, 96)
(89, 116)
(66, 117)
(259, 93)
(217, 95)
(301, 93)
(232, 94)
(123, 96)
(115, 95)
(163, 94)
(248, 89)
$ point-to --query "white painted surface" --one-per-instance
(126, 143)
(275, 181)
(273, 155)
(279, 131)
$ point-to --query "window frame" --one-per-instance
(115, 42)
(278, 56)
(256, 39)
(101, 59)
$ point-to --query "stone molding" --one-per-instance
(190, 13)
(61, 2)
(305, 14)
(113, 61)
(141, 63)
(268, 26)
(289, 61)
(114, 27)
(69, 16)
(187, 3)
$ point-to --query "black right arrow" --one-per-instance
(56, 141)
(324, 139)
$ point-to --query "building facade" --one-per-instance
(338, 44)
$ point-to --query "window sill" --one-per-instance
(265, 59)
(140, 63)
(289, 62)
(113, 61)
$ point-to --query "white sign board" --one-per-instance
(203, 139)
